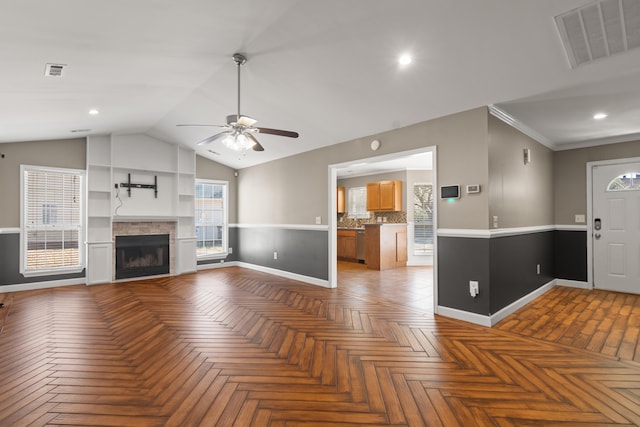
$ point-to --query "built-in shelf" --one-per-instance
(110, 161)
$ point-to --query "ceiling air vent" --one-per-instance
(599, 30)
(54, 70)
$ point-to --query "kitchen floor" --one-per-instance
(407, 286)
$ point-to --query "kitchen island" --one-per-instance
(385, 246)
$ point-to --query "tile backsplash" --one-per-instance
(385, 217)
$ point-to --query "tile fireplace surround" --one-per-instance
(145, 228)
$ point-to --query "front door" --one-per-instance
(616, 227)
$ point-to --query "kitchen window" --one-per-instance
(357, 202)
(51, 221)
(211, 218)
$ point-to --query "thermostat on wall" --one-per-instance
(450, 192)
(473, 188)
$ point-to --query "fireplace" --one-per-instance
(142, 255)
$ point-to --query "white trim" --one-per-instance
(10, 230)
(284, 226)
(146, 218)
(465, 316)
(489, 321)
(582, 227)
(502, 232)
(573, 284)
(42, 285)
(268, 270)
(470, 233)
(499, 114)
(518, 304)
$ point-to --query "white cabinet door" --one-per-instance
(99, 263)
(185, 256)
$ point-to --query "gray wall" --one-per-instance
(570, 176)
(68, 153)
(294, 190)
(520, 195)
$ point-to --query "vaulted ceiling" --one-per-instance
(326, 69)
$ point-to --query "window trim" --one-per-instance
(225, 228)
(81, 232)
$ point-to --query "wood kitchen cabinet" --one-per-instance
(384, 196)
(385, 246)
(347, 245)
(341, 200)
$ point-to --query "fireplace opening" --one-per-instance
(142, 255)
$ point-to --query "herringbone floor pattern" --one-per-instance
(234, 347)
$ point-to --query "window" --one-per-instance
(52, 221)
(423, 219)
(211, 218)
(627, 181)
(357, 202)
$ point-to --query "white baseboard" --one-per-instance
(516, 305)
(493, 319)
(573, 284)
(42, 285)
(269, 270)
(465, 316)
(213, 265)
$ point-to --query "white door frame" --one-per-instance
(331, 215)
(590, 166)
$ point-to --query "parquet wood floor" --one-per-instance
(594, 320)
(235, 347)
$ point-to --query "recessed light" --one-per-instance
(600, 116)
(405, 59)
(94, 112)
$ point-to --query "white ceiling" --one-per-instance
(327, 69)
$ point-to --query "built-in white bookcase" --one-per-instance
(139, 159)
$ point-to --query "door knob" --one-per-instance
(597, 236)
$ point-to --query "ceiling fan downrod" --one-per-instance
(240, 60)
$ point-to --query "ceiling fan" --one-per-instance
(239, 133)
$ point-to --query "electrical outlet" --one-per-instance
(538, 269)
(474, 288)
(230, 250)
(580, 219)
(318, 220)
(495, 221)
(275, 255)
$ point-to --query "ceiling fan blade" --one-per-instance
(256, 145)
(279, 132)
(194, 125)
(212, 138)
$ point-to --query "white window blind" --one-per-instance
(211, 218)
(357, 202)
(52, 220)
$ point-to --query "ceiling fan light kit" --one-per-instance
(239, 130)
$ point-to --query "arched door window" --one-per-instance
(625, 182)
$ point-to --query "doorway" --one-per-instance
(401, 158)
(615, 225)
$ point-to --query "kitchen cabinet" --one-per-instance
(346, 245)
(384, 196)
(385, 246)
(341, 200)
